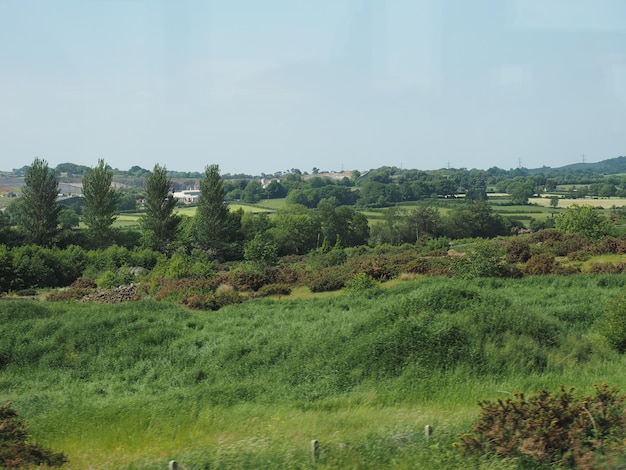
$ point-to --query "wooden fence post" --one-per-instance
(315, 450)
(428, 430)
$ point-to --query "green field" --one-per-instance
(538, 209)
(134, 385)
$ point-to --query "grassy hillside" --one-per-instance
(138, 384)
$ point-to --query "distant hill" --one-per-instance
(69, 171)
(610, 166)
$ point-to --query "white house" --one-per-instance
(189, 196)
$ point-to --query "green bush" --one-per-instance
(176, 290)
(612, 324)
(328, 280)
(109, 279)
(32, 268)
(361, 282)
(249, 276)
(553, 429)
(274, 289)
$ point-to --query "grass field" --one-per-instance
(135, 385)
(539, 209)
(604, 203)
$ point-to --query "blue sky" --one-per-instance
(265, 86)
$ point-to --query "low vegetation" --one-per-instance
(136, 384)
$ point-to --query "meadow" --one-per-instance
(538, 208)
(134, 385)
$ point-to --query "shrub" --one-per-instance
(552, 429)
(541, 263)
(517, 250)
(328, 280)
(32, 268)
(201, 302)
(612, 324)
(71, 293)
(579, 255)
(83, 283)
(360, 282)
(26, 292)
(549, 234)
(248, 277)
(110, 279)
(483, 259)
(274, 289)
(15, 449)
(609, 245)
(430, 266)
(607, 268)
(510, 271)
(441, 244)
(381, 268)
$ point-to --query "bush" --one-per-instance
(607, 268)
(552, 429)
(328, 280)
(69, 294)
(541, 263)
(110, 279)
(248, 277)
(274, 289)
(612, 324)
(609, 245)
(517, 250)
(15, 449)
(83, 283)
(360, 282)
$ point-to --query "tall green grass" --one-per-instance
(138, 384)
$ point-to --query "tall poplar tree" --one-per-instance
(159, 222)
(39, 211)
(216, 228)
(100, 203)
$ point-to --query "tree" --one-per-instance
(252, 192)
(100, 203)
(341, 223)
(68, 218)
(424, 219)
(474, 219)
(520, 192)
(215, 227)
(585, 220)
(295, 230)
(159, 222)
(40, 213)
(261, 251)
(275, 190)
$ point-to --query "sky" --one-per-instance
(267, 86)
